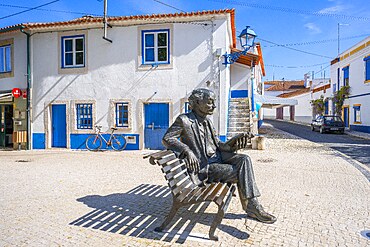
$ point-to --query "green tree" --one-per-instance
(318, 105)
(339, 97)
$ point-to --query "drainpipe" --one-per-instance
(28, 88)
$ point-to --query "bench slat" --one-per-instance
(166, 168)
(170, 175)
(166, 159)
(185, 193)
(222, 195)
(173, 182)
(187, 183)
(158, 155)
(212, 195)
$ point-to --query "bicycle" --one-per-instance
(95, 141)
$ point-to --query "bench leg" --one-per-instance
(174, 209)
(217, 220)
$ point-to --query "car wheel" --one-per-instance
(312, 128)
(322, 131)
(341, 132)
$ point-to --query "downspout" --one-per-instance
(28, 88)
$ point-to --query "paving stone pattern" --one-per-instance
(81, 198)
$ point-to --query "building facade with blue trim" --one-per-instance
(352, 68)
(139, 83)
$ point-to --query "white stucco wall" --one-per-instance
(113, 72)
(19, 80)
(357, 82)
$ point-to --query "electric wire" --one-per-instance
(48, 10)
(165, 4)
(294, 49)
(295, 66)
(320, 41)
(27, 10)
(296, 11)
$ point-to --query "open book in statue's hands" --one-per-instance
(239, 141)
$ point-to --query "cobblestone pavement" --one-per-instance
(77, 198)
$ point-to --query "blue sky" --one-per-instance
(307, 25)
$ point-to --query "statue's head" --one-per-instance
(202, 101)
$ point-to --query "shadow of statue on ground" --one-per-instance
(137, 212)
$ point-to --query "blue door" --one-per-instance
(156, 124)
(346, 116)
(59, 126)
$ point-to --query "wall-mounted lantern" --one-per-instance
(246, 37)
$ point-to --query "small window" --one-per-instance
(367, 68)
(5, 59)
(357, 113)
(73, 51)
(155, 47)
(346, 76)
(84, 116)
(122, 114)
(334, 87)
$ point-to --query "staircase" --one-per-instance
(239, 118)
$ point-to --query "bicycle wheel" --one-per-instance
(118, 142)
(93, 143)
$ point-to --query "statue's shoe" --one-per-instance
(257, 212)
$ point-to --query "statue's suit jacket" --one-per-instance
(184, 135)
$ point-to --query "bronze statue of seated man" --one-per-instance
(192, 137)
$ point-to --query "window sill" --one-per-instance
(367, 81)
(357, 122)
(145, 67)
(6, 74)
(73, 70)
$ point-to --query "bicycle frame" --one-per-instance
(109, 142)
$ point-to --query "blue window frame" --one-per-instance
(367, 68)
(155, 47)
(5, 59)
(346, 76)
(357, 113)
(338, 78)
(73, 51)
(84, 116)
(122, 114)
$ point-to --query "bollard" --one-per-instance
(259, 142)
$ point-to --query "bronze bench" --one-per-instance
(185, 192)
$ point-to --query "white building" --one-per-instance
(352, 68)
(139, 82)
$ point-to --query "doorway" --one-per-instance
(156, 124)
(6, 126)
(59, 126)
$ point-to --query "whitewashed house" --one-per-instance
(139, 82)
(352, 68)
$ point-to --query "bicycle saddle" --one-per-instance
(113, 128)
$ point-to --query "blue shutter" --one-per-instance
(367, 69)
(8, 60)
(2, 61)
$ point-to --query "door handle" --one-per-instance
(151, 126)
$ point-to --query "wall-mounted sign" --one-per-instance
(16, 92)
(24, 94)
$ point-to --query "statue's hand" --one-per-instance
(191, 162)
(239, 141)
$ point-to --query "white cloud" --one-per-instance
(313, 28)
(331, 10)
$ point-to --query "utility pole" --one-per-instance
(340, 24)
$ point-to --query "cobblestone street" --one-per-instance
(81, 198)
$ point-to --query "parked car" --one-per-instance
(328, 124)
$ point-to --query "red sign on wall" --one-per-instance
(16, 92)
(24, 94)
